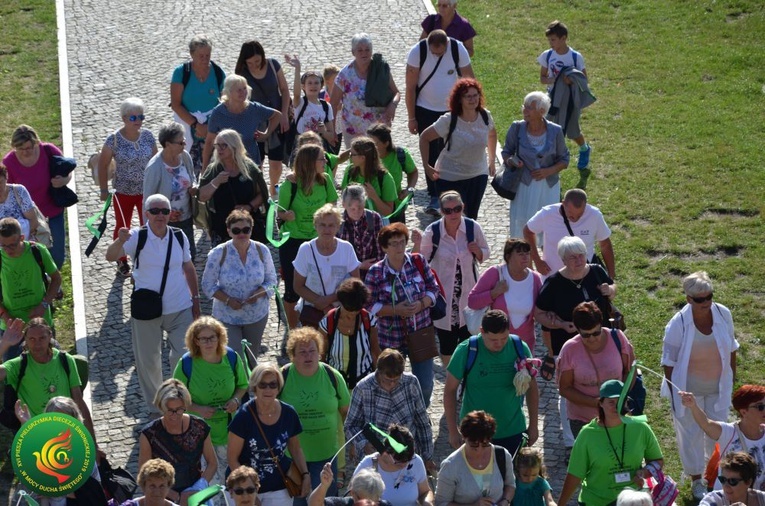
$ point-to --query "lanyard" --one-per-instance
(611, 444)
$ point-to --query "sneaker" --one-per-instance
(123, 268)
(699, 488)
(584, 158)
(433, 207)
(584, 175)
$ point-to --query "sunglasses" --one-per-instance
(136, 117)
(587, 335)
(760, 406)
(451, 210)
(730, 481)
(476, 444)
(273, 385)
(699, 300)
(159, 210)
(243, 230)
(220, 145)
(248, 491)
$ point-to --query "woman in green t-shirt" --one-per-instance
(297, 203)
(397, 161)
(365, 168)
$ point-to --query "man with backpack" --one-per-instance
(432, 67)
(29, 279)
(165, 294)
(484, 368)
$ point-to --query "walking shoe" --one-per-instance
(584, 175)
(433, 207)
(123, 268)
(699, 488)
(584, 158)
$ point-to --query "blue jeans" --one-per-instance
(315, 469)
(58, 234)
(423, 371)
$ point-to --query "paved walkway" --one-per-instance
(122, 49)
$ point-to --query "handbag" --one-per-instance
(118, 483)
(42, 234)
(474, 317)
(636, 395)
(310, 316)
(508, 179)
(293, 480)
(146, 304)
(421, 344)
(437, 310)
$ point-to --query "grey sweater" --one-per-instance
(456, 482)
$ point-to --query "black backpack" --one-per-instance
(455, 50)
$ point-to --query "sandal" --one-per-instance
(548, 368)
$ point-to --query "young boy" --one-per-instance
(551, 62)
(311, 113)
(330, 72)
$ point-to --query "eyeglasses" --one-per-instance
(397, 244)
(476, 444)
(760, 406)
(451, 210)
(159, 210)
(243, 230)
(699, 300)
(730, 481)
(248, 491)
(207, 339)
(180, 143)
(472, 96)
(136, 117)
(221, 145)
(587, 335)
(176, 411)
(272, 385)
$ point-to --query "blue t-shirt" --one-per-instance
(255, 452)
(246, 123)
(530, 494)
(197, 96)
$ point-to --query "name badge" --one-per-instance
(622, 477)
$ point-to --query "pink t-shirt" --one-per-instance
(587, 380)
(36, 179)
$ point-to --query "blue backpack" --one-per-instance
(186, 363)
(473, 355)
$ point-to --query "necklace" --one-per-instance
(578, 284)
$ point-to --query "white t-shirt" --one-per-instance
(435, 95)
(401, 487)
(334, 268)
(558, 61)
(519, 297)
(730, 442)
(590, 228)
(466, 157)
(314, 113)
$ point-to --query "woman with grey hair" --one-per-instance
(131, 147)
(194, 90)
(348, 95)
(699, 356)
(576, 282)
(171, 173)
(360, 227)
(366, 487)
(537, 147)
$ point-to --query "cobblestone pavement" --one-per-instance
(122, 49)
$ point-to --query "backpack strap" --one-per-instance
(143, 234)
(332, 378)
(484, 115)
(302, 111)
(456, 56)
(232, 358)
(499, 458)
(186, 73)
(370, 217)
(452, 126)
(325, 107)
(333, 316)
(292, 195)
(218, 75)
(365, 321)
(401, 157)
(423, 55)
(186, 362)
(436, 225)
(423, 46)
(380, 179)
(22, 370)
(470, 233)
(469, 362)
(223, 256)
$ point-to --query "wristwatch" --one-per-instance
(45, 304)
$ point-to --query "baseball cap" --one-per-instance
(611, 389)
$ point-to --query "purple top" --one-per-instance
(460, 28)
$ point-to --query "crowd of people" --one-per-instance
(363, 293)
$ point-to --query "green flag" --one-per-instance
(626, 390)
(205, 494)
(393, 443)
(271, 226)
(401, 206)
(28, 498)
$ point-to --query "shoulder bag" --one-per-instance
(508, 178)
(310, 316)
(146, 304)
(293, 480)
(42, 234)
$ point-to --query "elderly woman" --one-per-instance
(131, 147)
(366, 488)
(194, 90)
(699, 356)
(155, 477)
(360, 227)
(269, 88)
(738, 471)
(237, 112)
(454, 245)
(219, 383)
(180, 439)
(350, 333)
(318, 393)
(576, 282)
(403, 472)
(452, 23)
(260, 434)
(240, 278)
(321, 265)
(348, 95)
(171, 173)
(233, 181)
(397, 161)
(243, 484)
(403, 290)
(477, 460)
(298, 201)
(469, 133)
(28, 164)
(747, 435)
(512, 288)
(538, 148)
(587, 360)
(365, 169)
(604, 460)
(15, 202)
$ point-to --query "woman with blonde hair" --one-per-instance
(233, 181)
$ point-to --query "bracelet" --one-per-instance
(238, 402)
(213, 185)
